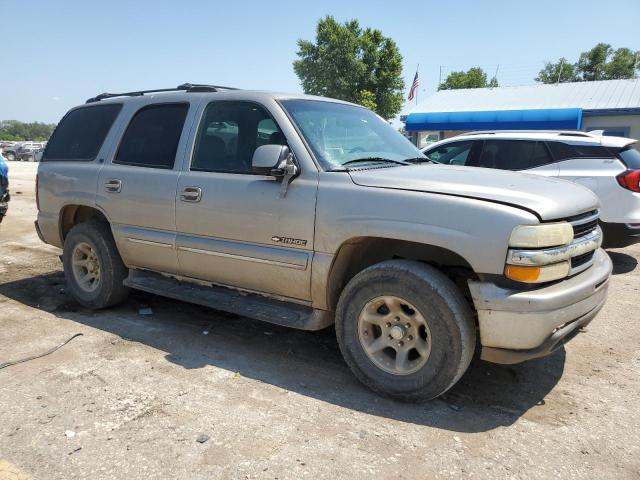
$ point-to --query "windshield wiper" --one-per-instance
(418, 160)
(375, 159)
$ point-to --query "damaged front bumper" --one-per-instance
(521, 325)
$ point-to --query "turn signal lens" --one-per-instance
(541, 235)
(537, 274)
(630, 180)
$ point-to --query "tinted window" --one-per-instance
(562, 151)
(450, 154)
(81, 133)
(229, 134)
(631, 157)
(513, 154)
(151, 139)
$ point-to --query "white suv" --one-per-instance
(609, 166)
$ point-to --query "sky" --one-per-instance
(56, 54)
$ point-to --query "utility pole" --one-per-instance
(636, 65)
(440, 78)
(496, 74)
(418, 87)
(560, 72)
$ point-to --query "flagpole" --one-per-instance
(417, 68)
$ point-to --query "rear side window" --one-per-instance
(80, 134)
(152, 137)
(513, 154)
(631, 157)
(563, 151)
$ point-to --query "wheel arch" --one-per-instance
(356, 254)
(72, 214)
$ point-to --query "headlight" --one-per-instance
(543, 274)
(541, 235)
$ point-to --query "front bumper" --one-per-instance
(520, 325)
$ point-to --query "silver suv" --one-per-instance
(305, 211)
(609, 166)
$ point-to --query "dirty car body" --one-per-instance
(303, 211)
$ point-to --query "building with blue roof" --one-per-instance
(609, 105)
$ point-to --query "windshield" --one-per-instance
(339, 133)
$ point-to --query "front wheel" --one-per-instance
(405, 330)
(93, 267)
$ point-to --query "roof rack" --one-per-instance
(568, 133)
(185, 87)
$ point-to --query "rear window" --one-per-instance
(80, 134)
(631, 157)
(563, 151)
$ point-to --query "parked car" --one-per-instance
(332, 217)
(609, 166)
(24, 151)
(4, 186)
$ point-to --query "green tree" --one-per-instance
(559, 72)
(592, 64)
(473, 78)
(15, 130)
(353, 64)
(622, 64)
(602, 62)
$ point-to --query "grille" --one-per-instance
(582, 230)
(580, 260)
(584, 223)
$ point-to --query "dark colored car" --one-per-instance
(4, 187)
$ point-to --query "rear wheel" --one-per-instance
(93, 267)
(10, 156)
(405, 330)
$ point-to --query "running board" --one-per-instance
(250, 305)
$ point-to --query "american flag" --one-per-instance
(414, 87)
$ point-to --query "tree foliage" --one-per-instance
(353, 64)
(602, 62)
(15, 130)
(473, 78)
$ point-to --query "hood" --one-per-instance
(549, 198)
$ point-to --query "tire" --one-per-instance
(10, 156)
(90, 252)
(430, 306)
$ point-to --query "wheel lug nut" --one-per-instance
(401, 343)
(397, 319)
(388, 324)
(408, 325)
(410, 337)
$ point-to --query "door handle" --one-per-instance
(191, 194)
(113, 185)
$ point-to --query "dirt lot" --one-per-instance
(130, 397)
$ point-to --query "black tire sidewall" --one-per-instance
(94, 235)
(441, 313)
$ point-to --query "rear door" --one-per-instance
(233, 227)
(137, 186)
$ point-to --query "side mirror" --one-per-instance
(267, 160)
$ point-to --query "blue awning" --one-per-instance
(541, 119)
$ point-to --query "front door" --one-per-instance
(233, 226)
(137, 187)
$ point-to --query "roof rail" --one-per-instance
(567, 133)
(185, 87)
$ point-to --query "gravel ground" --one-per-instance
(189, 392)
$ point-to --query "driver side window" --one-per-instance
(229, 134)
